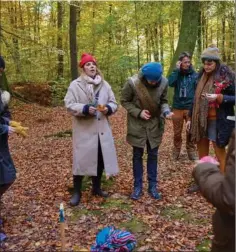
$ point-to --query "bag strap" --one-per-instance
(146, 100)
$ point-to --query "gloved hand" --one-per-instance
(208, 159)
(18, 128)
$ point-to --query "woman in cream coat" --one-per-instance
(90, 101)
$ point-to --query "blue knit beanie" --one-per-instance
(152, 71)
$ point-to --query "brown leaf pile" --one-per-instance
(31, 206)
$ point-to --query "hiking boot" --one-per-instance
(154, 193)
(192, 156)
(137, 193)
(176, 155)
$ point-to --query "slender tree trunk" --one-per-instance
(188, 30)
(60, 57)
(161, 43)
(172, 37)
(223, 40)
(217, 31)
(199, 35)
(13, 21)
(147, 39)
(93, 29)
(137, 34)
(161, 33)
(21, 17)
(155, 41)
(206, 32)
(109, 42)
(73, 45)
(203, 29)
(0, 28)
(231, 23)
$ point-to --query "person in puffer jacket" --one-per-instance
(7, 168)
(219, 189)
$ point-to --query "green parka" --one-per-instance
(139, 130)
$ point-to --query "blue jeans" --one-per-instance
(151, 165)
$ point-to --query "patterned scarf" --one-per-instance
(200, 108)
(91, 86)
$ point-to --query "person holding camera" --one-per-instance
(183, 80)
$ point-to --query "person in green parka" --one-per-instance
(144, 96)
(183, 80)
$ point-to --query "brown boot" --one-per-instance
(176, 155)
(192, 156)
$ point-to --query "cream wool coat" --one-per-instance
(87, 129)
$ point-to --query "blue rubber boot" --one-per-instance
(152, 190)
(137, 193)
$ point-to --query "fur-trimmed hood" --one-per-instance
(5, 97)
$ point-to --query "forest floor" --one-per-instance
(30, 209)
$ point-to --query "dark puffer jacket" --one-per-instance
(7, 168)
(219, 190)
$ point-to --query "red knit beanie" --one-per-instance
(86, 58)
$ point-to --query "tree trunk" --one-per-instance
(199, 35)
(147, 40)
(161, 43)
(223, 40)
(203, 25)
(60, 56)
(93, 29)
(188, 30)
(171, 27)
(155, 41)
(13, 21)
(0, 28)
(73, 45)
(109, 42)
(137, 34)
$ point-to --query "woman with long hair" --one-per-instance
(214, 101)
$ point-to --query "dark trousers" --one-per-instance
(151, 165)
(4, 188)
(96, 180)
